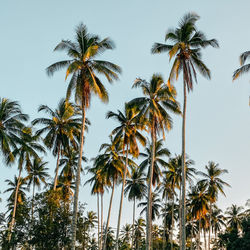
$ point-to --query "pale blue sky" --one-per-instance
(218, 115)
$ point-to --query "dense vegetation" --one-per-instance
(178, 201)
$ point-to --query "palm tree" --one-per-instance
(244, 67)
(84, 68)
(37, 175)
(187, 42)
(127, 133)
(234, 217)
(139, 232)
(136, 190)
(199, 203)
(28, 150)
(125, 234)
(158, 98)
(11, 118)
(156, 206)
(62, 128)
(214, 186)
(159, 162)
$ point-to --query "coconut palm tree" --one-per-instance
(139, 232)
(158, 99)
(11, 123)
(187, 42)
(234, 217)
(127, 133)
(244, 67)
(159, 163)
(37, 175)
(136, 190)
(199, 203)
(215, 186)
(85, 68)
(62, 129)
(126, 235)
(27, 150)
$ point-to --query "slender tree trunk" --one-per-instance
(15, 206)
(101, 218)
(149, 204)
(98, 218)
(78, 179)
(121, 200)
(172, 226)
(209, 232)
(205, 241)
(192, 234)
(109, 212)
(183, 180)
(180, 225)
(32, 206)
(164, 231)
(133, 232)
(57, 167)
(199, 233)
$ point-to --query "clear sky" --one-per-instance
(218, 115)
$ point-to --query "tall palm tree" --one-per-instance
(136, 190)
(244, 67)
(27, 150)
(37, 175)
(127, 133)
(185, 48)
(156, 206)
(11, 123)
(84, 68)
(199, 203)
(159, 163)
(215, 186)
(234, 217)
(158, 98)
(62, 128)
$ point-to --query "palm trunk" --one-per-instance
(121, 201)
(149, 204)
(192, 234)
(15, 206)
(199, 233)
(205, 242)
(164, 232)
(57, 167)
(109, 212)
(101, 218)
(76, 194)
(209, 232)
(98, 218)
(172, 226)
(180, 227)
(183, 180)
(32, 206)
(133, 233)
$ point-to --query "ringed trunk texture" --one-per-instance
(183, 180)
(76, 194)
(121, 201)
(15, 205)
(149, 205)
(98, 218)
(57, 167)
(109, 213)
(101, 218)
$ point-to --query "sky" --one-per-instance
(218, 115)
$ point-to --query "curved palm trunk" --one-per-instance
(101, 218)
(76, 194)
(133, 227)
(98, 226)
(183, 180)
(109, 212)
(15, 206)
(149, 204)
(57, 167)
(121, 201)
